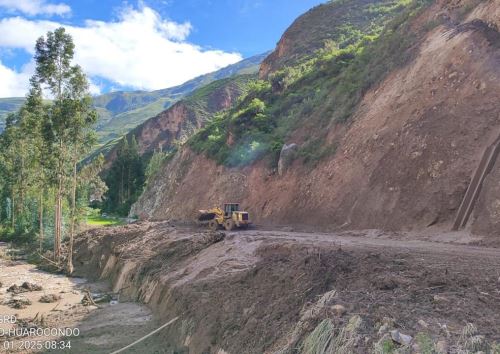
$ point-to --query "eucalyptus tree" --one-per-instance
(35, 111)
(66, 123)
(11, 166)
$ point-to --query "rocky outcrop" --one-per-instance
(180, 121)
(287, 155)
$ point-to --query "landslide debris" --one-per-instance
(49, 298)
(18, 303)
(251, 293)
(25, 287)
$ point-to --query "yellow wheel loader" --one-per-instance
(230, 217)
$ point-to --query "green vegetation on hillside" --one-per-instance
(9, 105)
(119, 112)
(125, 179)
(130, 171)
(94, 218)
(320, 90)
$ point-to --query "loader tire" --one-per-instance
(212, 225)
(229, 225)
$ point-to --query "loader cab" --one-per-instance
(230, 208)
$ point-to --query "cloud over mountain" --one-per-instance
(139, 49)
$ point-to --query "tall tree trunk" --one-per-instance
(120, 192)
(128, 182)
(22, 182)
(73, 220)
(13, 210)
(40, 221)
(56, 225)
(58, 220)
(58, 211)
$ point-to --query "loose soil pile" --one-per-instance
(267, 292)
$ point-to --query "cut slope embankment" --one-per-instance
(404, 161)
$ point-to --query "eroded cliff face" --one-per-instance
(404, 162)
(180, 121)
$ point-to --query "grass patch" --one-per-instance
(94, 218)
(100, 221)
(425, 343)
(326, 340)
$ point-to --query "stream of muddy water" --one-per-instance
(42, 312)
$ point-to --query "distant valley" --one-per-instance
(121, 111)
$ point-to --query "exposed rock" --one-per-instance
(19, 303)
(288, 153)
(25, 287)
(50, 298)
(439, 298)
(388, 321)
(401, 338)
(339, 310)
(423, 324)
(31, 286)
(383, 329)
(442, 347)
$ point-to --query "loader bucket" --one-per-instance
(205, 216)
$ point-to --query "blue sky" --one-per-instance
(148, 45)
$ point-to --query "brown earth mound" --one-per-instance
(25, 287)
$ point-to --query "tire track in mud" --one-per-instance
(387, 244)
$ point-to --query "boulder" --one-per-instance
(338, 310)
(401, 338)
(423, 324)
(287, 154)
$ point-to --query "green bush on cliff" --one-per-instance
(321, 90)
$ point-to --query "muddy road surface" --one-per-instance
(271, 291)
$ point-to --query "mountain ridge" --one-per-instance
(121, 111)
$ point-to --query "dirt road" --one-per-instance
(457, 247)
(239, 290)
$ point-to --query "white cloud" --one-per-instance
(35, 7)
(140, 49)
(12, 82)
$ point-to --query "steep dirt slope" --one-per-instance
(405, 161)
(265, 292)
